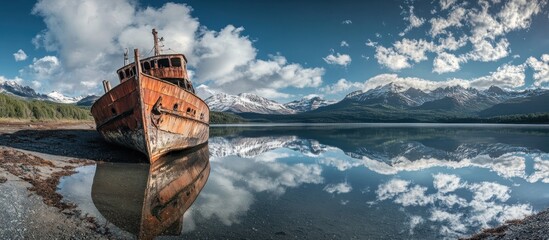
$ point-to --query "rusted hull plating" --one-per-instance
(152, 116)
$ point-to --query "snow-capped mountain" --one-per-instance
(390, 94)
(88, 100)
(446, 98)
(26, 92)
(60, 98)
(204, 91)
(14, 88)
(308, 104)
(246, 102)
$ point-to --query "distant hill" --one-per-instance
(534, 104)
(87, 101)
(18, 108)
(446, 103)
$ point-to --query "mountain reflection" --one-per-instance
(442, 182)
(150, 201)
(392, 150)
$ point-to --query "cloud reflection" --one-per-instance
(456, 216)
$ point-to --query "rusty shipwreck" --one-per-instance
(154, 109)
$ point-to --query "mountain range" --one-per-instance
(26, 92)
(390, 102)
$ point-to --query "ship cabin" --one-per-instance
(171, 68)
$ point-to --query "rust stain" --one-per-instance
(154, 108)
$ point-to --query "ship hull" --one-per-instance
(151, 116)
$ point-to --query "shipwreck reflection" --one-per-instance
(149, 201)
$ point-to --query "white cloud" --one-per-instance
(455, 18)
(271, 156)
(414, 21)
(445, 4)
(485, 51)
(408, 82)
(456, 216)
(344, 44)
(220, 53)
(271, 93)
(392, 188)
(338, 59)
(388, 58)
(90, 51)
(505, 76)
(339, 188)
(342, 85)
(517, 14)
(20, 55)
(541, 69)
(446, 183)
(347, 22)
(446, 62)
(414, 221)
(415, 196)
(414, 49)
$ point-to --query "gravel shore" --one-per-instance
(33, 158)
(531, 227)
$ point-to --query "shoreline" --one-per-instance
(34, 156)
(535, 226)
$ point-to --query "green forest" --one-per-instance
(17, 108)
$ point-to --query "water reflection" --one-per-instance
(365, 182)
(148, 202)
(337, 182)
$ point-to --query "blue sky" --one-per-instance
(282, 50)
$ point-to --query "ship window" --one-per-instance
(127, 72)
(175, 107)
(163, 62)
(146, 66)
(134, 70)
(176, 62)
(121, 74)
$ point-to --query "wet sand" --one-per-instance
(33, 158)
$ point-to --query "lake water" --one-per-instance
(336, 181)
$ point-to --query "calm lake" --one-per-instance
(336, 181)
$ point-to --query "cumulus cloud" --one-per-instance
(90, 51)
(344, 44)
(414, 21)
(339, 188)
(541, 69)
(388, 58)
(485, 51)
(342, 85)
(505, 76)
(482, 27)
(20, 55)
(454, 19)
(446, 62)
(338, 59)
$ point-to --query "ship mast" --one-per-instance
(156, 47)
